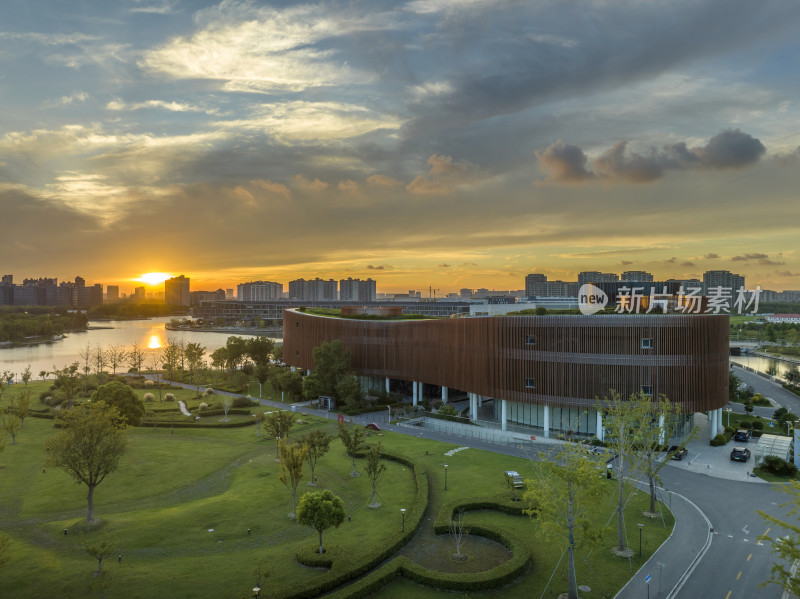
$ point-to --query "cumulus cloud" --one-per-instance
(444, 265)
(711, 256)
(687, 263)
(378, 267)
(303, 184)
(444, 176)
(383, 181)
(626, 262)
(347, 186)
(565, 163)
(728, 149)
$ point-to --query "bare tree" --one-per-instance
(86, 355)
(458, 530)
(100, 361)
(116, 355)
(374, 470)
(135, 357)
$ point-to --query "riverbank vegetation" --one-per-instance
(18, 326)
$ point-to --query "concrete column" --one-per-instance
(414, 396)
(444, 395)
(713, 417)
(661, 437)
(480, 400)
(294, 368)
(719, 419)
(419, 391)
(387, 384)
(473, 406)
(504, 415)
(308, 373)
(547, 422)
(600, 432)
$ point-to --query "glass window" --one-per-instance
(647, 389)
(647, 343)
(530, 339)
(530, 384)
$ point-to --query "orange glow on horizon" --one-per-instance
(154, 278)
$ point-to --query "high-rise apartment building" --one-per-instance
(138, 294)
(637, 276)
(722, 278)
(257, 291)
(112, 293)
(317, 289)
(595, 277)
(356, 290)
(176, 291)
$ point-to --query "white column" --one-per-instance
(547, 422)
(308, 373)
(661, 437)
(713, 423)
(419, 390)
(719, 419)
(294, 368)
(473, 406)
(414, 396)
(444, 394)
(387, 384)
(600, 433)
(504, 415)
(480, 400)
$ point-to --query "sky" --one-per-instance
(427, 144)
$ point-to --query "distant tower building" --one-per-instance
(535, 285)
(595, 277)
(138, 294)
(465, 293)
(722, 278)
(176, 291)
(316, 290)
(229, 294)
(112, 293)
(259, 291)
(637, 276)
(356, 290)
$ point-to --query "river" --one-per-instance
(150, 335)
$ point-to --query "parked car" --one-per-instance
(678, 453)
(740, 454)
(742, 435)
(514, 478)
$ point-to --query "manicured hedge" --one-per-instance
(342, 571)
(194, 424)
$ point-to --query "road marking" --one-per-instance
(748, 557)
(745, 529)
(738, 575)
(766, 532)
(728, 595)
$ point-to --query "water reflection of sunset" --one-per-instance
(155, 342)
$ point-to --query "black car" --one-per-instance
(678, 453)
(742, 435)
(740, 454)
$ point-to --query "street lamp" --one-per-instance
(728, 410)
(403, 513)
(641, 526)
(256, 592)
(445, 477)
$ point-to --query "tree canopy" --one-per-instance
(320, 510)
(89, 445)
(122, 397)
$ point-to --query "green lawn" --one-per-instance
(172, 487)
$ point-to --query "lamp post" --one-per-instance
(728, 410)
(403, 514)
(445, 477)
(256, 592)
(641, 526)
(660, 565)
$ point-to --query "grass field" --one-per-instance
(173, 487)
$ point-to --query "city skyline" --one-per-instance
(422, 144)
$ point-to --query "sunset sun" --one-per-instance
(154, 278)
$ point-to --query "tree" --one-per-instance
(787, 547)
(331, 364)
(100, 548)
(458, 530)
(348, 391)
(353, 443)
(561, 496)
(6, 376)
(318, 444)
(43, 374)
(100, 359)
(792, 376)
(173, 354)
(285, 380)
(89, 445)
(155, 366)
(259, 350)
(116, 355)
(12, 424)
(135, 357)
(625, 422)
(278, 424)
(194, 356)
(733, 386)
(320, 510)
(374, 470)
(68, 380)
(20, 406)
(652, 438)
(292, 458)
(124, 398)
(85, 354)
(259, 418)
(26, 375)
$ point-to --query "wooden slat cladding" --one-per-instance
(545, 360)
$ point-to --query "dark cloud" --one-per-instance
(672, 260)
(756, 256)
(768, 262)
(730, 149)
(687, 263)
(738, 259)
(373, 267)
(787, 273)
(565, 163)
(711, 256)
(443, 265)
(626, 262)
(762, 258)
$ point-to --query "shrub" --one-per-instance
(758, 425)
(208, 392)
(202, 406)
(148, 397)
(746, 424)
(719, 440)
(169, 397)
(243, 402)
(149, 383)
(775, 465)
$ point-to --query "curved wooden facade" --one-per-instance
(543, 360)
